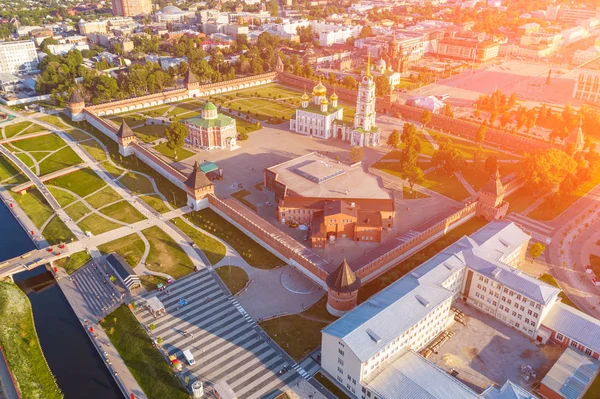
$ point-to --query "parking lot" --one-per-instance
(488, 352)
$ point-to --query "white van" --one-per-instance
(189, 357)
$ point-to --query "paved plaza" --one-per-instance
(487, 352)
(527, 79)
(100, 294)
(224, 340)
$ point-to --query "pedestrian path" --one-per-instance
(95, 287)
(465, 183)
(225, 341)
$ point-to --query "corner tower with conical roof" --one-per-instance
(491, 204)
(197, 187)
(191, 84)
(125, 137)
(342, 290)
(76, 105)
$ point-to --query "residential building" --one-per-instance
(174, 14)
(587, 86)
(366, 350)
(131, 8)
(63, 48)
(572, 15)
(86, 27)
(18, 57)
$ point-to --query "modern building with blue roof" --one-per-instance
(366, 349)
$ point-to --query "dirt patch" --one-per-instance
(452, 360)
(471, 353)
(527, 354)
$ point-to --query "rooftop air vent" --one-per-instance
(376, 338)
(422, 300)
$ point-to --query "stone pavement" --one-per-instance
(224, 340)
(115, 363)
(94, 285)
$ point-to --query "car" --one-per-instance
(268, 203)
(305, 238)
(293, 225)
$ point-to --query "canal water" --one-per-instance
(79, 370)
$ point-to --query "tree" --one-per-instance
(542, 170)
(366, 31)
(480, 137)
(47, 42)
(349, 82)
(536, 249)
(152, 326)
(477, 113)
(176, 134)
(394, 139)
(242, 136)
(413, 175)
(159, 340)
(448, 158)
(410, 138)
(447, 110)
(426, 117)
(305, 33)
(491, 164)
(512, 100)
(357, 154)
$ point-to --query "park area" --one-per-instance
(21, 348)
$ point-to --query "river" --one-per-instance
(79, 370)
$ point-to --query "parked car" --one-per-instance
(268, 203)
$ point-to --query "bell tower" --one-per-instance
(491, 204)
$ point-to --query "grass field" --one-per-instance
(166, 255)
(77, 210)
(130, 247)
(235, 278)
(300, 333)
(520, 200)
(251, 251)
(418, 258)
(35, 206)
(82, 182)
(64, 198)
(155, 202)
(54, 120)
(9, 174)
(97, 224)
(74, 261)
(150, 282)
(103, 197)
(57, 232)
(593, 391)
(123, 212)
(137, 184)
(79, 135)
(48, 142)
(13, 130)
(149, 133)
(61, 159)
(213, 249)
(94, 149)
(144, 361)
(21, 347)
(182, 153)
(241, 196)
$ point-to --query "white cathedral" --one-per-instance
(324, 119)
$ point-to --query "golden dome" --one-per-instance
(319, 90)
(334, 97)
(324, 101)
(305, 97)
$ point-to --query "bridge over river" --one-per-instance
(32, 259)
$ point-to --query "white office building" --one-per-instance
(18, 56)
(370, 351)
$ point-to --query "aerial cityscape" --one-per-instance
(313, 199)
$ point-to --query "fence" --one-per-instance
(389, 259)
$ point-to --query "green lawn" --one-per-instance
(12, 130)
(48, 142)
(418, 258)
(103, 197)
(130, 119)
(156, 112)
(549, 279)
(34, 205)
(77, 210)
(331, 386)
(155, 202)
(54, 120)
(520, 200)
(130, 247)
(241, 196)
(174, 195)
(74, 261)
(235, 278)
(57, 232)
(149, 133)
(250, 250)
(478, 177)
(549, 209)
(21, 347)
(8, 170)
(182, 153)
(26, 159)
(137, 184)
(59, 160)
(82, 182)
(123, 212)
(94, 149)
(79, 135)
(143, 360)
(64, 198)
(166, 255)
(468, 148)
(150, 282)
(300, 333)
(33, 129)
(213, 249)
(97, 224)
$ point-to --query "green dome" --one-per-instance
(209, 106)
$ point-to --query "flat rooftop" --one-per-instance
(314, 175)
(593, 65)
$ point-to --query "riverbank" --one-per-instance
(21, 347)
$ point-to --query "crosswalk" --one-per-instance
(99, 293)
(225, 341)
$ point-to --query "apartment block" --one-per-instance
(18, 56)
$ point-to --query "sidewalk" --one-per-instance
(115, 363)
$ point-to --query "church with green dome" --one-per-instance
(211, 129)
